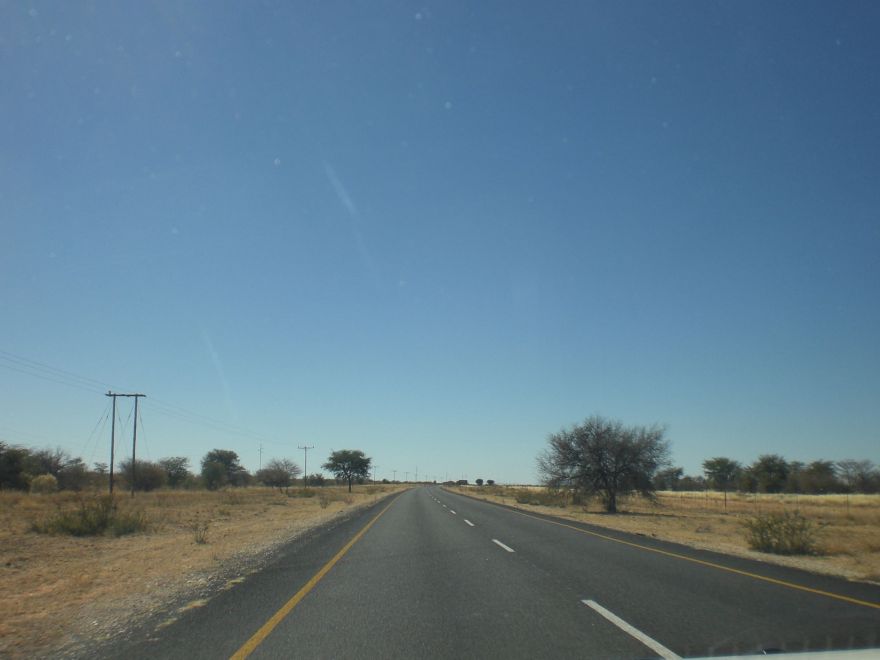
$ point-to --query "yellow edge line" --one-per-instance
(258, 637)
(783, 583)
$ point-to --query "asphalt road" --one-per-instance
(439, 575)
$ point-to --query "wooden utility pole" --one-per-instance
(306, 464)
(113, 395)
(134, 439)
(112, 439)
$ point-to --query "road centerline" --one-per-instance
(678, 555)
(500, 544)
(469, 522)
(652, 644)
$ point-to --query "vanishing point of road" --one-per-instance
(432, 574)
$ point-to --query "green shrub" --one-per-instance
(782, 534)
(94, 517)
(128, 522)
(43, 484)
(546, 497)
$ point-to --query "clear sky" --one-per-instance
(439, 231)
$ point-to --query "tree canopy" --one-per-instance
(348, 464)
(279, 473)
(221, 467)
(603, 457)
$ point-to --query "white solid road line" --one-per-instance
(502, 545)
(469, 522)
(655, 646)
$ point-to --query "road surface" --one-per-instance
(433, 574)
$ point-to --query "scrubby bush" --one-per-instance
(316, 479)
(94, 517)
(147, 475)
(546, 497)
(45, 483)
(782, 534)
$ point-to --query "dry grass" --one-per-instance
(849, 526)
(61, 590)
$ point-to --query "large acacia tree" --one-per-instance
(603, 457)
(348, 464)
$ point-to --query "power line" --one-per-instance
(36, 369)
(54, 371)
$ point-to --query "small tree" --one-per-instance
(221, 467)
(13, 461)
(147, 475)
(74, 475)
(604, 457)
(348, 465)
(479, 482)
(176, 470)
(722, 473)
(770, 472)
(279, 473)
(668, 479)
(490, 482)
(46, 461)
(859, 476)
(316, 479)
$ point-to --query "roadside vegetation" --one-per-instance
(75, 564)
(836, 534)
(43, 471)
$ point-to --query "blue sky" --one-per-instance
(438, 232)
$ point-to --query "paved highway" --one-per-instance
(433, 574)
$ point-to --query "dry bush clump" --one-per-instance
(782, 534)
(93, 516)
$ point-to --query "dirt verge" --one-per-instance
(61, 593)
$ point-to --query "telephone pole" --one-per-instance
(395, 475)
(112, 439)
(306, 464)
(261, 457)
(133, 438)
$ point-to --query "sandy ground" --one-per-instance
(848, 528)
(59, 592)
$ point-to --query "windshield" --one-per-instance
(438, 233)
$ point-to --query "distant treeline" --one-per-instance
(771, 473)
(47, 470)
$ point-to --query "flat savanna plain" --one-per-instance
(847, 526)
(60, 592)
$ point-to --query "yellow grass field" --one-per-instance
(59, 591)
(848, 525)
